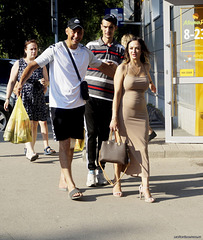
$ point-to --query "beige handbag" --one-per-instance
(114, 151)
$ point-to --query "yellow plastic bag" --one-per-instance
(18, 129)
(79, 145)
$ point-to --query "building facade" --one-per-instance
(173, 31)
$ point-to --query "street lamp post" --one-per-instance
(54, 18)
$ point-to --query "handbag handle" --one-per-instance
(71, 57)
(117, 136)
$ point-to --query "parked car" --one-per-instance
(5, 68)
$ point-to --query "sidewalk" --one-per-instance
(32, 207)
(159, 149)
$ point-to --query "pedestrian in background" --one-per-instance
(66, 104)
(124, 41)
(126, 38)
(98, 109)
(32, 93)
(45, 133)
(130, 115)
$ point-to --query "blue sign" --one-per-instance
(118, 12)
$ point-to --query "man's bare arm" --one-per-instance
(108, 68)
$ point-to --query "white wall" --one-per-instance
(152, 33)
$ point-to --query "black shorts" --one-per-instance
(67, 123)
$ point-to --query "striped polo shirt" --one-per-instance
(100, 85)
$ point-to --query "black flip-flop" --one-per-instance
(74, 191)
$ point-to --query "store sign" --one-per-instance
(191, 25)
(186, 72)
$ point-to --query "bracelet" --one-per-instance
(150, 82)
(8, 98)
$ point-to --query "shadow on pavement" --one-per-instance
(173, 188)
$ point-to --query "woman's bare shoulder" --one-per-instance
(122, 67)
(15, 66)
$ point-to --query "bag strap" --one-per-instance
(109, 180)
(71, 57)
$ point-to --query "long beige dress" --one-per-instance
(134, 123)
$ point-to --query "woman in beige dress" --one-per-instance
(130, 115)
(124, 40)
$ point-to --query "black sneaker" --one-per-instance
(152, 136)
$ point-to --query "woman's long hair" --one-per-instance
(26, 44)
(145, 53)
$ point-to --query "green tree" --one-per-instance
(21, 20)
(26, 19)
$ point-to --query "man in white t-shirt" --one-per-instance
(66, 104)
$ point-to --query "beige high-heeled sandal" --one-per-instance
(118, 193)
(142, 193)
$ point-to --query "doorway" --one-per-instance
(183, 71)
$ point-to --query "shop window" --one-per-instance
(155, 9)
(146, 8)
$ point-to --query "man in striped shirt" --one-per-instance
(98, 109)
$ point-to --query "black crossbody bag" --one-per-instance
(84, 91)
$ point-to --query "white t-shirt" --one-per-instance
(64, 90)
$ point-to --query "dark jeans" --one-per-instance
(98, 114)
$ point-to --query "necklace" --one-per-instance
(136, 69)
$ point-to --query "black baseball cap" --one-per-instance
(74, 23)
(111, 18)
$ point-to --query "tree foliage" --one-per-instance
(21, 20)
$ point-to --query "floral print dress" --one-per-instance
(33, 94)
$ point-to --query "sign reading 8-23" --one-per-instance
(191, 26)
(198, 34)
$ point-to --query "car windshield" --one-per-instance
(5, 69)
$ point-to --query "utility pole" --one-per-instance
(54, 18)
